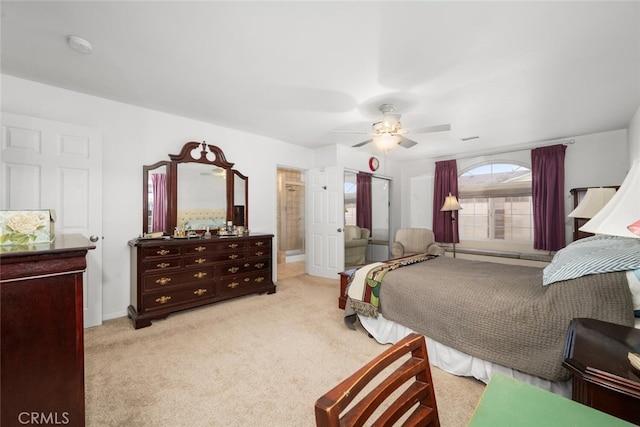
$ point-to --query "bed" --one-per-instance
(482, 317)
(201, 219)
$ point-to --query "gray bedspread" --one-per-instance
(501, 313)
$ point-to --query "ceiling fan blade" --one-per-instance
(428, 129)
(406, 142)
(350, 131)
(362, 143)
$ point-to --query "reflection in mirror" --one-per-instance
(240, 185)
(155, 208)
(201, 196)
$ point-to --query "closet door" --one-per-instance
(54, 165)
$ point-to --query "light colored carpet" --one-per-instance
(259, 360)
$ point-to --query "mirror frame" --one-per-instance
(185, 156)
(238, 174)
(146, 170)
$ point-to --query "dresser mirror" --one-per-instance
(154, 205)
(197, 190)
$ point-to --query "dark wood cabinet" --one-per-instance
(42, 358)
(602, 376)
(168, 275)
(578, 194)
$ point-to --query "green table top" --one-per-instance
(507, 402)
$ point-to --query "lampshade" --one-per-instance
(450, 204)
(622, 210)
(386, 141)
(593, 201)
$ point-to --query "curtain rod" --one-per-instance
(493, 153)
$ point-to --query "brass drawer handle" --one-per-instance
(259, 279)
(233, 285)
(259, 265)
(200, 292)
(233, 256)
(259, 253)
(247, 279)
(234, 269)
(199, 275)
(163, 265)
(201, 248)
(163, 281)
(163, 299)
(246, 265)
(201, 260)
(259, 243)
(163, 251)
(233, 245)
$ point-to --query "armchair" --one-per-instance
(410, 241)
(356, 240)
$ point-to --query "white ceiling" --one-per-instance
(508, 72)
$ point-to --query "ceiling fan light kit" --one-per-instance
(386, 141)
(388, 133)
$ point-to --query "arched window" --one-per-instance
(496, 203)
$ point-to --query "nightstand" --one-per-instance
(602, 377)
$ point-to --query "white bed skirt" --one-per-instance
(456, 362)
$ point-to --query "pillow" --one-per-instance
(593, 255)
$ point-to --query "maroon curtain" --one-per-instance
(159, 211)
(547, 189)
(445, 182)
(363, 200)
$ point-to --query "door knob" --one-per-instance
(94, 238)
(339, 230)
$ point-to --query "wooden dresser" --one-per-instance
(602, 376)
(170, 275)
(42, 359)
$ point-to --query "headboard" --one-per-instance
(203, 217)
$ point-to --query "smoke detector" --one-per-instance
(79, 44)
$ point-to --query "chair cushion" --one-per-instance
(351, 232)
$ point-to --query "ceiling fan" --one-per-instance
(388, 132)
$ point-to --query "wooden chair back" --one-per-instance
(404, 388)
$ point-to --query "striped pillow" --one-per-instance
(593, 255)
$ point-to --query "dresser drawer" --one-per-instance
(171, 279)
(160, 251)
(243, 283)
(245, 267)
(168, 297)
(164, 263)
(256, 252)
(205, 246)
(205, 259)
(260, 243)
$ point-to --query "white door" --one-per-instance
(325, 219)
(53, 165)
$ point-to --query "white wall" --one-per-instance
(592, 160)
(633, 135)
(134, 136)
